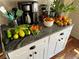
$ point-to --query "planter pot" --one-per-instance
(52, 14)
(65, 14)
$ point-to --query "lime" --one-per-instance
(9, 34)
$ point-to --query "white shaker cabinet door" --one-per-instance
(30, 54)
(40, 52)
(62, 40)
(52, 44)
(59, 46)
(67, 34)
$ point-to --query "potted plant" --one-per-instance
(60, 8)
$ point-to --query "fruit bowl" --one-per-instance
(63, 21)
(48, 22)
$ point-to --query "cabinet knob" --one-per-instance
(30, 55)
(59, 40)
(62, 38)
(35, 53)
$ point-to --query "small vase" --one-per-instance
(52, 14)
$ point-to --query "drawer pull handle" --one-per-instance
(62, 34)
(33, 47)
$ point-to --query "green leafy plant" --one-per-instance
(57, 6)
(69, 8)
(60, 7)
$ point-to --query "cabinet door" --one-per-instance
(67, 34)
(52, 44)
(40, 51)
(30, 54)
(62, 39)
(59, 46)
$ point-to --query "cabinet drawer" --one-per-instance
(65, 31)
(19, 53)
(40, 41)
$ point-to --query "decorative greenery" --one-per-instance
(59, 6)
(11, 14)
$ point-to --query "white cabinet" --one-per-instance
(44, 48)
(58, 41)
(62, 39)
(35, 50)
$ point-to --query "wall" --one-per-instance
(68, 1)
(8, 5)
(75, 31)
(75, 18)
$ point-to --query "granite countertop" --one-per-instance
(16, 44)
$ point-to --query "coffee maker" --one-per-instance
(30, 7)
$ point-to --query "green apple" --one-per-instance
(27, 32)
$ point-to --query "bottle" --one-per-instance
(15, 23)
(28, 19)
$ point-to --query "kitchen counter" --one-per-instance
(16, 44)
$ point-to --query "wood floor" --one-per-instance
(70, 52)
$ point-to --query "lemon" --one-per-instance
(21, 33)
(16, 36)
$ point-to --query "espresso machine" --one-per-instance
(30, 11)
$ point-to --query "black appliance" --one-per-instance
(30, 7)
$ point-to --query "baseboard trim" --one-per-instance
(73, 37)
(1, 53)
